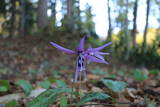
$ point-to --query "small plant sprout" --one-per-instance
(83, 55)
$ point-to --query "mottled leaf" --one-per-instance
(25, 85)
(139, 75)
(98, 71)
(93, 96)
(116, 86)
(47, 97)
(61, 83)
(4, 85)
(45, 84)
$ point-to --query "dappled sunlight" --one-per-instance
(158, 51)
(151, 36)
(2, 20)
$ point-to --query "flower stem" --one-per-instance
(80, 79)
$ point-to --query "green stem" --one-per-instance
(79, 89)
(71, 94)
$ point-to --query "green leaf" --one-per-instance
(4, 85)
(121, 73)
(61, 83)
(116, 86)
(63, 101)
(150, 105)
(3, 70)
(93, 96)
(139, 75)
(98, 71)
(110, 76)
(25, 85)
(56, 74)
(3, 89)
(47, 97)
(12, 103)
(45, 84)
(33, 71)
(154, 71)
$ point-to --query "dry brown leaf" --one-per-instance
(93, 77)
(7, 98)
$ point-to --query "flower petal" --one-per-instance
(65, 50)
(81, 44)
(94, 59)
(101, 47)
(99, 56)
(102, 53)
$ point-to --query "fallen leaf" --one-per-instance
(7, 98)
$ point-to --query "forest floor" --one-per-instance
(35, 60)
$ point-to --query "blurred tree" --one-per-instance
(127, 35)
(146, 26)
(70, 21)
(64, 7)
(2, 14)
(123, 8)
(42, 18)
(13, 18)
(76, 16)
(27, 17)
(120, 8)
(158, 3)
(109, 21)
(53, 9)
(3, 7)
(89, 25)
(22, 18)
(134, 31)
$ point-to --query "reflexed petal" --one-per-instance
(65, 50)
(81, 44)
(102, 53)
(101, 47)
(99, 56)
(94, 59)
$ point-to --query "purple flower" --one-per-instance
(90, 54)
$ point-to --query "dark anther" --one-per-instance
(79, 52)
(79, 58)
(79, 65)
(82, 64)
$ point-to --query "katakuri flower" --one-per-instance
(83, 55)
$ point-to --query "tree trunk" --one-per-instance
(158, 4)
(109, 21)
(42, 18)
(22, 18)
(78, 8)
(70, 14)
(13, 25)
(127, 32)
(53, 8)
(146, 27)
(134, 23)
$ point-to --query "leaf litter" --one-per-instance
(39, 64)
